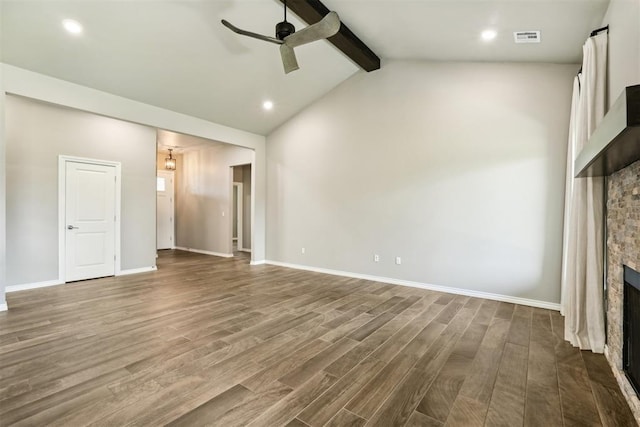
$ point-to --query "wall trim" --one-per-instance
(48, 283)
(427, 286)
(36, 285)
(261, 262)
(199, 251)
(4, 306)
(137, 270)
(244, 250)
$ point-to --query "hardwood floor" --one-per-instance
(212, 341)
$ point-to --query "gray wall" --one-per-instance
(203, 197)
(458, 168)
(36, 134)
(623, 18)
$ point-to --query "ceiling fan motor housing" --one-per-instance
(283, 29)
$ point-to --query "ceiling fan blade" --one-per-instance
(326, 27)
(250, 34)
(289, 60)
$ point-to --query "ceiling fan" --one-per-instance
(288, 38)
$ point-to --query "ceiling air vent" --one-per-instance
(526, 36)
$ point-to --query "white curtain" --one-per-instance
(582, 261)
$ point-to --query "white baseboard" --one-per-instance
(4, 306)
(244, 250)
(430, 287)
(261, 262)
(26, 286)
(137, 270)
(198, 251)
(47, 283)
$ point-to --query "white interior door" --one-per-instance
(165, 210)
(90, 213)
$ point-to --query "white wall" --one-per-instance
(457, 168)
(203, 197)
(37, 134)
(623, 18)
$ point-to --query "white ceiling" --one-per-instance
(175, 54)
(449, 30)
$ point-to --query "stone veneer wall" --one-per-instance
(623, 247)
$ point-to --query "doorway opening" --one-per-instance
(203, 196)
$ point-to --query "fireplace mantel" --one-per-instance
(615, 144)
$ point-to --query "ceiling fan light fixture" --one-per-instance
(284, 29)
(170, 162)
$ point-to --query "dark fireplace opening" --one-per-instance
(631, 327)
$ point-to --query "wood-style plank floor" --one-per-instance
(211, 341)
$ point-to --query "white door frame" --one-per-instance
(239, 188)
(62, 199)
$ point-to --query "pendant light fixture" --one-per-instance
(170, 162)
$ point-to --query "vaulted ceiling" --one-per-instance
(175, 54)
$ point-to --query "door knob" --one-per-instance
(71, 227)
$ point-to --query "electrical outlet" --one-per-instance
(302, 251)
(376, 258)
(398, 260)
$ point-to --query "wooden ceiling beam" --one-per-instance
(312, 11)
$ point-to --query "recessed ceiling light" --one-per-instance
(267, 105)
(72, 26)
(488, 35)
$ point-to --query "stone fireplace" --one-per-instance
(631, 327)
(623, 248)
